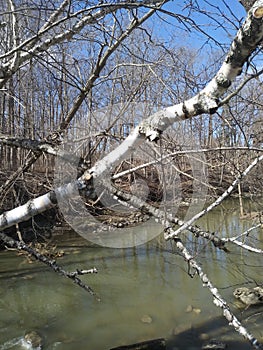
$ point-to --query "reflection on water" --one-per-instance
(145, 293)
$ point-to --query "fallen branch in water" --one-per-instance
(243, 245)
(82, 272)
(205, 101)
(20, 245)
(217, 298)
(166, 219)
(218, 201)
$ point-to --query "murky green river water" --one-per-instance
(145, 293)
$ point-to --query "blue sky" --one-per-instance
(224, 17)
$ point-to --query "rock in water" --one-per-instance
(189, 308)
(249, 296)
(214, 345)
(34, 340)
(146, 319)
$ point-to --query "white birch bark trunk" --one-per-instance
(206, 101)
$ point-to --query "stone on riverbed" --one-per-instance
(146, 319)
(249, 296)
(34, 340)
(191, 308)
(214, 345)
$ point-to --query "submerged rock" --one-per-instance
(214, 345)
(34, 340)
(146, 319)
(191, 308)
(249, 296)
(204, 336)
(31, 341)
(196, 310)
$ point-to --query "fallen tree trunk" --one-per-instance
(206, 101)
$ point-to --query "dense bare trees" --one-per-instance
(89, 83)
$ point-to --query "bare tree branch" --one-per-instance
(220, 199)
(217, 298)
(33, 46)
(243, 245)
(39, 146)
(100, 64)
(20, 245)
(240, 87)
(243, 45)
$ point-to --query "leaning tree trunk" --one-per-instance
(206, 101)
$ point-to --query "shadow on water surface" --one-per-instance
(214, 329)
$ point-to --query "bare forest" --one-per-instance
(114, 113)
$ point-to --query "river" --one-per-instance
(145, 293)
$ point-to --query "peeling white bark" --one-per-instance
(26, 211)
(38, 205)
(207, 101)
(117, 155)
(245, 42)
(168, 221)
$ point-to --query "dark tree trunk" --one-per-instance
(247, 3)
